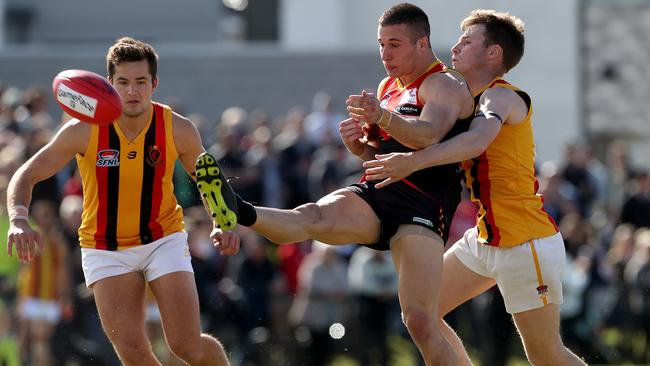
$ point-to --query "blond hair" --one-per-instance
(501, 28)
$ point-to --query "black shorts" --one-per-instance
(399, 204)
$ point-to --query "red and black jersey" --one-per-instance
(440, 182)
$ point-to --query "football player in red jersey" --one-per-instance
(411, 219)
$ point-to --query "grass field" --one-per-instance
(404, 353)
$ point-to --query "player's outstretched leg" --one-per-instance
(216, 191)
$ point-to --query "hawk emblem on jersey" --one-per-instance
(108, 158)
(154, 157)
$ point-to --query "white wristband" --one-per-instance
(18, 217)
(18, 212)
(384, 121)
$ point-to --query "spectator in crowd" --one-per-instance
(319, 303)
(232, 131)
(255, 276)
(560, 197)
(576, 173)
(619, 254)
(322, 123)
(636, 209)
(575, 280)
(294, 158)
(44, 289)
(637, 278)
(9, 103)
(619, 173)
(35, 109)
(373, 283)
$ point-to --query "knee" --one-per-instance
(190, 352)
(197, 352)
(419, 323)
(131, 352)
(537, 358)
(545, 354)
(314, 218)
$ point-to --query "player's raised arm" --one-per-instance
(497, 106)
(444, 97)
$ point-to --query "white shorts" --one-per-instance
(165, 255)
(36, 309)
(528, 275)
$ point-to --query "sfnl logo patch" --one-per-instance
(108, 158)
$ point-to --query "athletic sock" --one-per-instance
(246, 214)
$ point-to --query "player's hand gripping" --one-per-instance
(364, 107)
(227, 242)
(351, 135)
(24, 238)
(389, 168)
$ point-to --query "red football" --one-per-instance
(87, 96)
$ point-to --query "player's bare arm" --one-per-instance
(445, 101)
(188, 142)
(71, 139)
(497, 106)
(444, 98)
(189, 146)
(63, 277)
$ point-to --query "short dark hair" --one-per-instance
(408, 14)
(500, 28)
(127, 49)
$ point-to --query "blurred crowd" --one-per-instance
(309, 303)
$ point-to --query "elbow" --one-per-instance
(419, 145)
(415, 143)
(23, 178)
